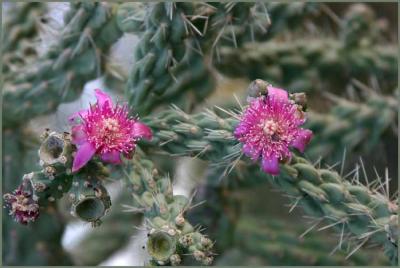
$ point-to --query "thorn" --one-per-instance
(357, 248)
(343, 161)
(312, 227)
(295, 203)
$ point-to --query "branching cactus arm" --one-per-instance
(61, 73)
(362, 211)
(170, 235)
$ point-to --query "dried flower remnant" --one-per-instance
(21, 204)
(106, 130)
(269, 126)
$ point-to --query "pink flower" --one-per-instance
(269, 126)
(21, 205)
(106, 130)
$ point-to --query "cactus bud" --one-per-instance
(186, 240)
(175, 260)
(180, 220)
(256, 89)
(300, 99)
(198, 255)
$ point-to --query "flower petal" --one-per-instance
(240, 130)
(270, 165)
(83, 155)
(77, 116)
(140, 130)
(253, 153)
(302, 140)
(112, 157)
(78, 135)
(278, 93)
(103, 98)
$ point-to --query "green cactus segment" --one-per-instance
(20, 31)
(352, 126)
(60, 74)
(90, 199)
(359, 27)
(168, 60)
(363, 212)
(290, 16)
(277, 242)
(233, 24)
(170, 236)
(20, 22)
(131, 17)
(182, 134)
(312, 64)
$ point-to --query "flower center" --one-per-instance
(270, 128)
(110, 125)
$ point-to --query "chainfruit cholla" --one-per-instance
(270, 126)
(106, 130)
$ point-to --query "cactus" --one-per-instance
(177, 34)
(20, 23)
(279, 242)
(163, 54)
(60, 74)
(19, 34)
(170, 235)
(182, 49)
(363, 212)
(330, 65)
(358, 27)
(291, 16)
(232, 24)
(359, 125)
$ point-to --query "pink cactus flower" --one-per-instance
(105, 130)
(21, 205)
(269, 127)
